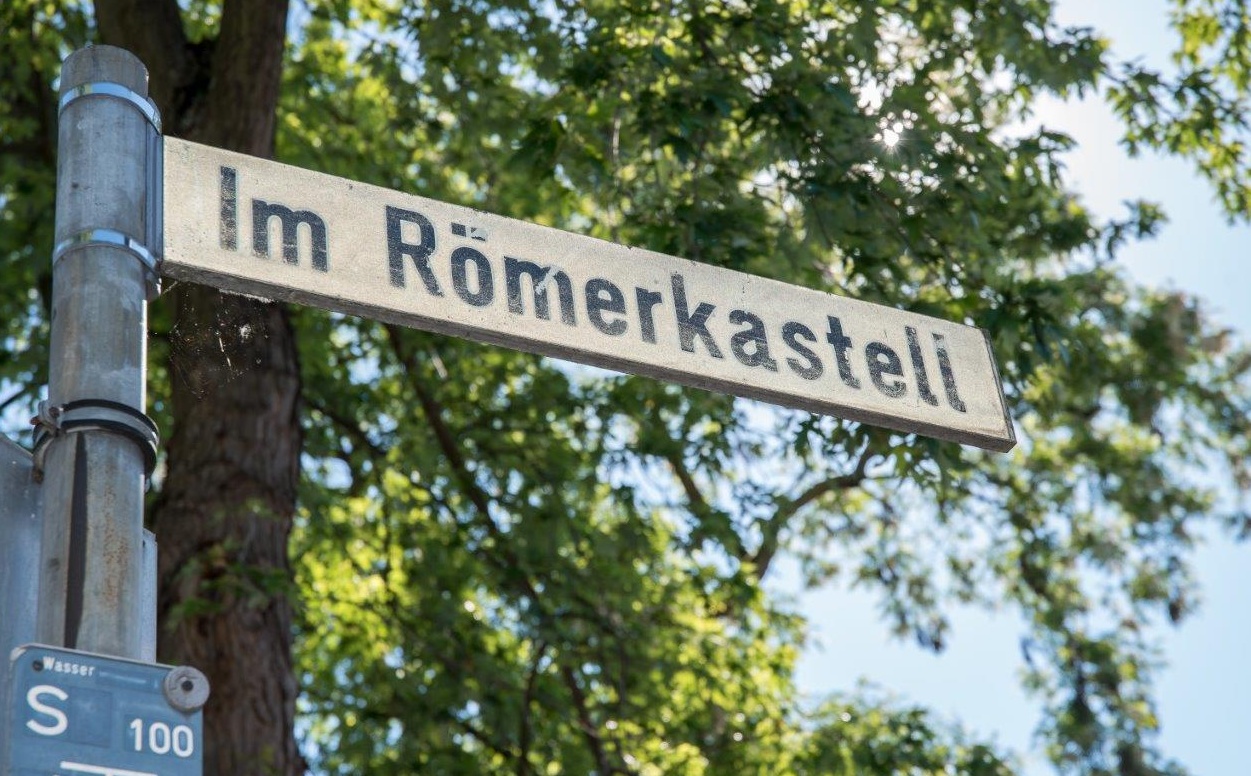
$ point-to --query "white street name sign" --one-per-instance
(258, 227)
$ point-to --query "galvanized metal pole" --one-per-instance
(148, 625)
(95, 444)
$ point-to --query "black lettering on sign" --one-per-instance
(483, 281)
(841, 344)
(229, 233)
(691, 325)
(420, 253)
(647, 324)
(792, 332)
(755, 336)
(290, 221)
(949, 376)
(604, 297)
(918, 365)
(540, 278)
(884, 361)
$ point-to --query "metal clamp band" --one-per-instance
(94, 415)
(113, 237)
(117, 91)
(148, 249)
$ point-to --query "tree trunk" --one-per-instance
(224, 515)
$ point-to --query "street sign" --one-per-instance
(265, 229)
(73, 713)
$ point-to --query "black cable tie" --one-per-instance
(77, 416)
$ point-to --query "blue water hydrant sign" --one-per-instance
(74, 713)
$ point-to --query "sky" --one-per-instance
(1204, 693)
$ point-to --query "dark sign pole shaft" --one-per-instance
(94, 443)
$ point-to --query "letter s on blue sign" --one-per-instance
(33, 700)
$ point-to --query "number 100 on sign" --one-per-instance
(161, 738)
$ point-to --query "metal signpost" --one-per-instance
(94, 442)
(77, 567)
(71, 515)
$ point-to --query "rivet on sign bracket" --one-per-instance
(147, 251)
(186, 689)
(93, 415)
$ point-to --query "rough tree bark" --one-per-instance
(224, 515)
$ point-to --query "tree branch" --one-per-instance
(25, 391)
(501, 749)
(590, 732)
(348, 425)
(712, 523)
(512, 569)
(525, 733)
(442, 434)
(771, 529)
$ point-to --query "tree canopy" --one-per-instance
(452, 558)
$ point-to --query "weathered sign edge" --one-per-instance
(247, 287)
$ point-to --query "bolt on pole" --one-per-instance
(94, 445)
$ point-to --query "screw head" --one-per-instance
(186, 689)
